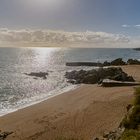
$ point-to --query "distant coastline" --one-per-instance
(62, 45)
(137, 49)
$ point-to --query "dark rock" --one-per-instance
(137, 49)
(115, 62)
(129, 106)
(38, 74)
(106, 63)
(35, 78)
(133, 62)
(130, 78)
(71, 81)
(105, 135)
(96, 76)
(112, 135)
(90, 79)
(118, 62)
(3, 135)
(122, 77)
(96, 139)
(84, 64)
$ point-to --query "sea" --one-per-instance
(18, 90)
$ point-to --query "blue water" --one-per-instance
(18, 90)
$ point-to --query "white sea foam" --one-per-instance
(37, 99)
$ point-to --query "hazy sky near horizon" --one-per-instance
(114, 16)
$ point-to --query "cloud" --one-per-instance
(131, 26)
(126, 26)
(137, 26)
(50, 36)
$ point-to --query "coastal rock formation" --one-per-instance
(116, 62)
(96, 64)
(112, 135)
(96, 76)
(133, 62)
(38, 74)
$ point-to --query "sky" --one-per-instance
(106, 16)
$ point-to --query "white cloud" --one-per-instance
(95, 39)
(137, 26)
(126, 26)
(27, 35)
(131, 26)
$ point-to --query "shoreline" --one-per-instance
(77, 113)
(62, 91)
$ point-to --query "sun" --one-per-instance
(43, 3)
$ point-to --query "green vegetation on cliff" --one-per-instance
(131, 122)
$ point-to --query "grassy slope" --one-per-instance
(131, 122)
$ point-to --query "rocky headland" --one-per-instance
(116, 62)
(96, 76)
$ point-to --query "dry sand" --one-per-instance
(82, 113)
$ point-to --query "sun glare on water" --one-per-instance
(44, 54)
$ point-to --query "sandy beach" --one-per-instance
(83, 113)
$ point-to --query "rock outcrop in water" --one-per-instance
(96, 76)
(116, 62)
(38, 74)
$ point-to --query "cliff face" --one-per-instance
(131, 122)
